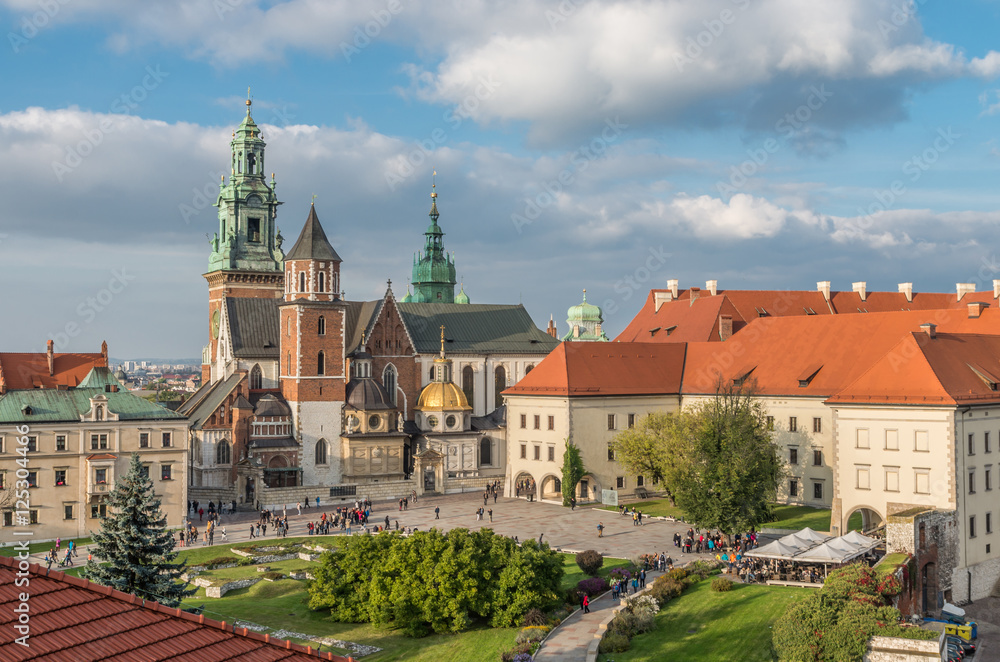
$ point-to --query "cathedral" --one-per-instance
(307, 393)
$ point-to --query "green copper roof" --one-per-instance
(474, 328)
(54, 405)
(433, 274)
(587, 318)
(462, 297)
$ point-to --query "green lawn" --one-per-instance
(652, 508)
(283, 604)
(573, 574)
(705, 626)
(787, 517)
(42, 547)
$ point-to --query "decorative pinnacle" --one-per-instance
(314, 199)
(585, 295)
(249, 102)
(434, 184)
(442, 341)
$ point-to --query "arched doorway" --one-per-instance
(863, 519)
(928, 588)
(525, 487)
(552, 488)
(588, 489)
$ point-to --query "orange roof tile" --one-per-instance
(600, 369)
(31, 370)
(71, 619)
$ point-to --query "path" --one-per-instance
(570, 641)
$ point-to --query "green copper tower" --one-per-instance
(433, 270)
(248, 238)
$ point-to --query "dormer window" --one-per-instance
(26, 410)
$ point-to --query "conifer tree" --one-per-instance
(135, 544)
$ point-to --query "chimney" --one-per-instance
(861, 287)
(52, 359)
(104, 352)
(725, 327)
(976, 309)
(694, 293)
(672, 286)
(907, 289)
(712, 286)
(551, 330)
(824, 287)
(576, 331)
(929, 329)
(659, 298)
(964, 288)
(996, 289)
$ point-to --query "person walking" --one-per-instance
(586, 604)
(224, 534)
(298, 507)
(437, 512)
(600, 529)
(490, 511)
(572, 503)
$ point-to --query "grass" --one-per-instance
(888, 564)
(42, 547)
(283, 604)
(573, 574)
(787, 516)
(702, 625)
(652, 508)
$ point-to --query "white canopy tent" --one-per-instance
(808, 546)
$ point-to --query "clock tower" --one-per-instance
(246, 259)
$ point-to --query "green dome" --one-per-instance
(462, 297)
(584, 312)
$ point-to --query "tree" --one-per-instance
(135, 544)
(572, 471)
(727, 469)
(651, 448)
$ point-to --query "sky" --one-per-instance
(608, 145)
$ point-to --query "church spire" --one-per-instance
(434, 270)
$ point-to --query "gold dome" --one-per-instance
(438, 396)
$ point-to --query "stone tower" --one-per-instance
(433, 270)
(246, 258)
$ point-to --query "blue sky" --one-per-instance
(762, 143)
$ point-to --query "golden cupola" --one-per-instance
(442, 405)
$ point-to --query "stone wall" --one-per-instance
(219, 591)
(929, 535)
(897, 649)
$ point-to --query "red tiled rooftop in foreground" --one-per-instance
(73, 620)
(26, 370)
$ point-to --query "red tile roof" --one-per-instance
(31, 370)
(601, 369)
(949, 369)
(693, 321)
(73, 620)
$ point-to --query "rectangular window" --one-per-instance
(32, 479)
(165, 470)
(972, 444)
(144, 471)
(988, 482)
(639, 481)
(60, 442)
(524, 451)
(986, 443)
(920, 442)
(93, 442)
(972, 526)
(32, 517)
(32, 444)
(60, 477)
(98, 442)
(922, 481)
(770, 423)
(611, 453)
(972, 481)
(98, 510)
(892, 479)
(611, 422)
(892, 440)
(817, 425)
(817, 490)
(538, 422)
(861, 438)
(166, 440)
(524, 421)
(817, 458)
(552, 453)
(989, 523)
(793, 488)
(631, 421)
(3, 477)
(620, 482)
(67, 511)
(793, 424)
(538, 452)
(552, 422)
(8, 518)
(864, 478)
(143, 440)
(793, 456)
(101, 476)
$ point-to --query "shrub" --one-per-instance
(665, 589)
(274, 576)
(532, 633)
(620, 573)
(593, 585)
(522, 657)
(516, 653)
(677, 574)
(225, 560)
(534, 616)
(589, 561)
(642, 603)
(721, 585)
(613, 643)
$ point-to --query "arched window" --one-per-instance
(432, 373)
(389, 382)
(321, 451)
(531, 366)
(256, 378)
(321, 364)
(321, 282)
(223, 453)
(302, 281)
(469, 384)
(485, 452)
(321, 324)
(499, 384)
(288, 364)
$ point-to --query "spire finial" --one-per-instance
(249, 102)
(314, 199)
(585, 295)
(442, 341)
(434, 184)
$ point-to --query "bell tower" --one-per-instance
(246, 258)
(433, 270)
